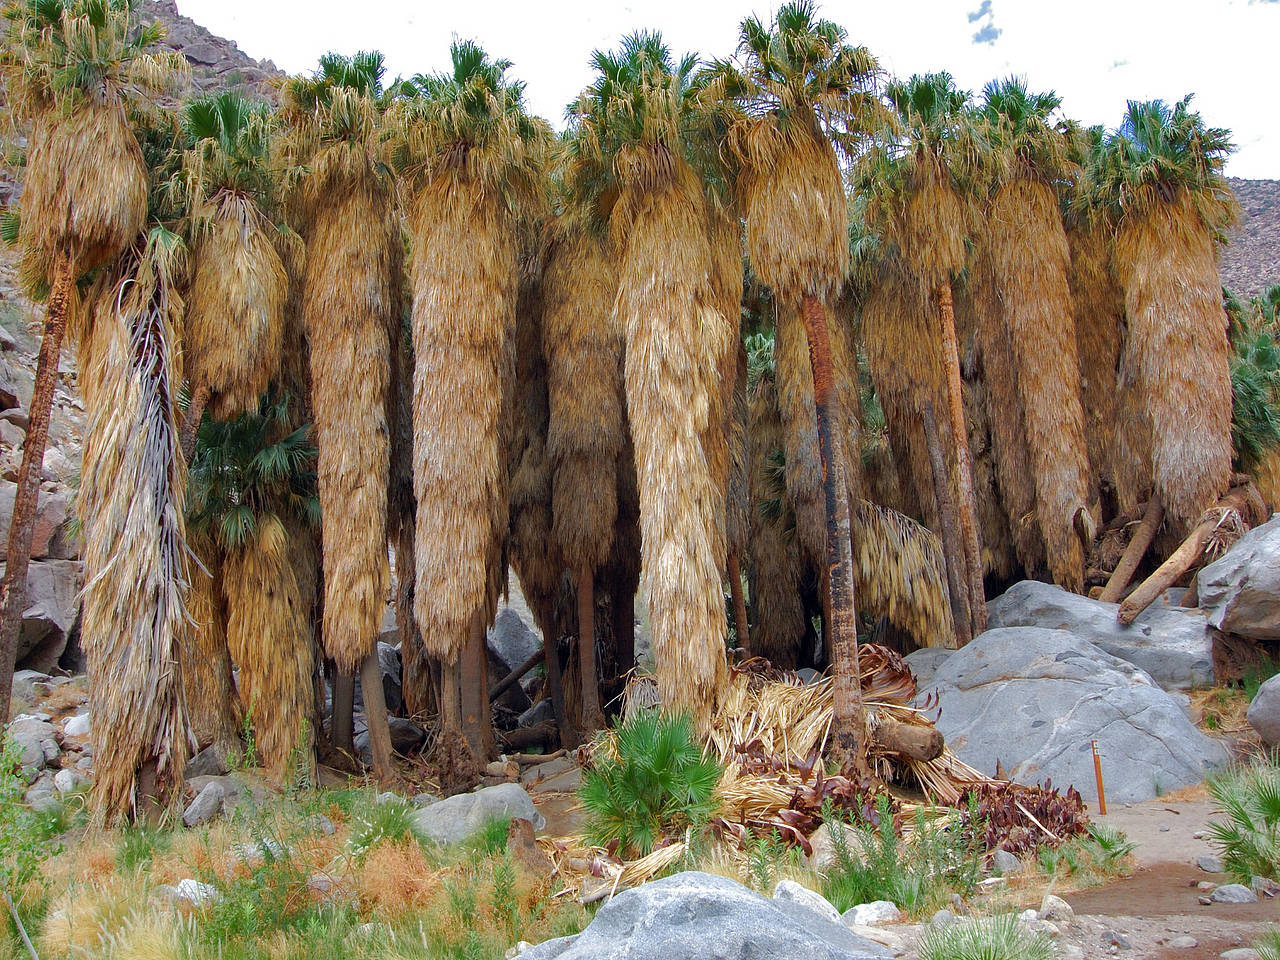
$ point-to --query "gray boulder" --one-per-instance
(1241, 589)
(53, 588)
(1033, 699)
(206, 805)
(924, 663)
(1170, 643)
(1264, 711)
(406, 736)
(696, 916)
(511, 640)
(456, 818)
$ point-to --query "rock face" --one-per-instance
(696, 916)
(1171, 644)
(52, 606)
(924, 663)
(451, 820)
(216, 63)
(1033, 699)
(1264, 712)
(1241, 589)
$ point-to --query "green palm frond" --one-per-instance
(1026, 135)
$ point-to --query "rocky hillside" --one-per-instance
(1251, 262)
(216, 63)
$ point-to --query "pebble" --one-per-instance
(388, 797)
(871, 914)
(319, 823)
(1233, 893)
(1240, 953)
(1164, 828)
(942, 918)
(1209, 864)
(1055, 908)
(1116, 940)
(1205, 901)
(520, 947)
(1198, 835)
(1205, 885)
(1264, 887)
(1183, 943)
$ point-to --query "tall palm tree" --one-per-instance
(252, 494)
(71, 67)
(471, 154)
(634, 126)
(802, 91)
(1160, 177)
(234, 332)
(1030, 262)
(350, 310)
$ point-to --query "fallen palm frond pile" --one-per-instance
(769, 733)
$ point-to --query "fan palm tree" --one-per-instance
(1029, 257)
(251, 498)
(1160, 177)
(802, 91)
(472, 156)
(634, 126)
(234, 332)
(350, 310)
(71, 69)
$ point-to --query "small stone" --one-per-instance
(796, 893)
(1233, 893)
(1069, 951)
(1198, 835)
(77, 726)
(1240, 953)
(942, 918)
(1116, 939)
(871, 914)
(1055, 908)
(1004, 863)
(319, 823)
(67, 781)
(421, 800)
(388, 797)
(50, 749)
(1164, 828)
(956, 903)
(209, 762)
(85, 765)
(1264, 887)
(1209, 864)
(1205, 885)
(502, 768)
(519, 948)
(206, 805)
(1026, 916)
(195, 892)
(252, 854)
(1183, 943)
(1204, 901)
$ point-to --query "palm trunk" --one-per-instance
(14, 587)
(375, 718)
(555, 682)
(344, 696)
(476, 726)
(964, 469)
(953, 552)
(739, 602)
(848, 722)
(191, 424)
(592, 717)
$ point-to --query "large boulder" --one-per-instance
(697, 916)
(1170, 643)
(1241, 589)
(48, 532)
(451, 820)
(53, 588)
(511, 640)
(1264, 712)
(924, 663)
(1033, 699)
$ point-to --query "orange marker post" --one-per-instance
(1097, 770)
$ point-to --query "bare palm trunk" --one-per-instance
(740, 624)
(474, 683)
(375, 718)
(592, 717)
(341, 723)
(555, 681)
(951, 548)
(964, 469)
(13, 590)
(848, 722)
(191, 424)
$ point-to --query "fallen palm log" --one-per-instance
(522, 738)
(914, 741)
(1134, 552)
(1220, 526)
(515, 676)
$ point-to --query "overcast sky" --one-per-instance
(1094, 53)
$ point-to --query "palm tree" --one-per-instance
(350, 310)
(234, 332)
(71, 68)
(633, 128)
(1030, 261)
(1160, 178)
(921, 183)
(471, 154)
(213, 704)
(801, 88)
(252, 497)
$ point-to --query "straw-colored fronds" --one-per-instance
(738, 502)
(1266, 476)
(1177, 351)
(794, 392)
(724, 233)
(350, 300)
(269, 635)
(901, 574)
(844, 363)
(209, 690)
(777, 612)
(993, 523)
(586, 429)
(665, 306)
(1030, 261)
(136, 565)
(1099, 314)
(464, 284)
(234, 329)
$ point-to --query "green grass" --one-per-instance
(1255, 675)
(990, 938)
(1099, 855)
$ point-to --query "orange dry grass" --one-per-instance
(395, 879)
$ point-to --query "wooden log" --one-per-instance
(1134, 552)
(539, 735)
(908, 739)
(516, 675)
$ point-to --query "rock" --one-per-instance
(1205, 885)
(1209, 864)
(1114, 939)
(209, 762)
(52, 512)
(790, 890)
(319, 823)
(29, 751)
(421, 800)
(873, 913)
(7, 343)
(449, 821)
(388, 797)
(1264, 887)
(924, 663)
(942, 917)
(195, 892)
(56, 466)
(1240, 590)
(540, 712)
(53, 588)
(77, 726)
(1068, 951)
(8, 391)
(1240, 953)
(1264, 711)
(23, 690)
(206, 805)
(1183, 943)
(824, 847)
(1004, 863)
(520, 947)
(29, 725)
(511, 640)
(67, 782)
(545, 771)
(696, 916)
(17, 416)
(204, 54)
(11, 435)
(1171, 644)
(567, 782)
(1233, 893)
(1033, 699)
(329, 890)
(50, 749)
(808, 675)
(406, 737)
(1055, 908)
(258, 851)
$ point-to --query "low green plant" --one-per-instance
(1256, 674)
(1100, 854)
(379, 822)
(984, 938)
(767, 860)
(656, 783)
(25, 839)
(1249, 838)
(488, 840)
(1269, 946)
(874, 863)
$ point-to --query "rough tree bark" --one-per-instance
(342, 721)
(1137, 548)
(592, 716)
(375, 718)
(740, 623)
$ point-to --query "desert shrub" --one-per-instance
(1249, 837)
(989, 938)
(654, 783)
(1100, 854)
